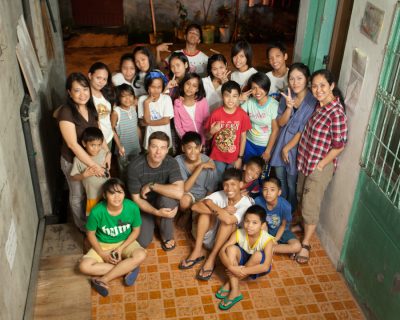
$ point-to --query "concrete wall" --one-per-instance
(339, 197)
(17, 204)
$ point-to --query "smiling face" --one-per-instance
(232, 188)
(192, 151)
(128, 70)
(259, 93)
(276, 59)
(115, 196)
(322, 90)
(142, 61)
(79, 93)
(98, 79)
(251, 172)
(178, 68)
(126, 99)
(297, 81)
(155, 88)
(240, 61)
(193, 36)
(218, 69)
(230, 99)
(191, 87)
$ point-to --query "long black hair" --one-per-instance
(200, 94)
(108, 90)
(152, 62)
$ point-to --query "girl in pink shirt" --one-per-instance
(191, 109)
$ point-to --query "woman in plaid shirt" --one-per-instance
(323, 139)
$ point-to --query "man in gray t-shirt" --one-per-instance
(156, 186)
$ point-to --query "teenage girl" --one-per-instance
(217, 75)
(242, 56)
(295, 108)
(124, 121)
(178, 67)
(144, 62)
(103, 97)
(191, 109)
(127, 70)
(155, 109)
(262, 111)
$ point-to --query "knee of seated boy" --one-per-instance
(186, 201)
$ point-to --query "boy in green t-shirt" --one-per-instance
(112, 228)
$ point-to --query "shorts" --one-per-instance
(209, 237)
(244, 257)
(286, 236)
(311, 190)
(126, 253)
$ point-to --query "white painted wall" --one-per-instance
(339, 197)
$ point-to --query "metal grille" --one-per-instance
(381, 155)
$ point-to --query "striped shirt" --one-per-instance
(325, 130)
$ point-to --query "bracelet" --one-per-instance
(240, 157)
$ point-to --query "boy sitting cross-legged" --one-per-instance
(279, 216)
(247, 253)
(218, 216)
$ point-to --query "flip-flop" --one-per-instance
(190, 263)
(131, 277)
(100, 287)
(226, 304)
(221, 291)
(205, 278)
(303, 259)
(164, 247)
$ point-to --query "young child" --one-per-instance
(217, 217)
(127, 71)
(92, 141)
(247, 253)
(191, 109)
(217, 75)
(251, 173)
(155, 109)
(178, 68)
(279, 216)
(144, 63)
(113, 226)
(127, 134)
(277, 56)
(242, 56)
(197, 169)
(227, 127)
(262, 111)
(103, 97)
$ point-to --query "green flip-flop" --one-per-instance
(229, 303)
(220, 292)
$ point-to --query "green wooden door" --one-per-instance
(371, 254)
(318, 33)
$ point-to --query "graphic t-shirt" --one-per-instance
(103, 108)
(278, 85)
(113, 229)
(261, 119)
(226, 142)
(242, 77)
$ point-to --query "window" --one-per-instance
(381, 156)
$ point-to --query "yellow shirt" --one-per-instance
(242, 239)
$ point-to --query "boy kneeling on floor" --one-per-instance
(112, 228)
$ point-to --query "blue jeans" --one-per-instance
(288, 184)
(221, 167)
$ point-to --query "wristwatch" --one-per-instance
(151, 185)
(240, 157)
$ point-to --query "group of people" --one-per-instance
(225, 155)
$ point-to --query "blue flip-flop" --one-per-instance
(100, 287)
(131, 277)
(229, 303)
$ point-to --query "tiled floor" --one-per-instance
(290, 291)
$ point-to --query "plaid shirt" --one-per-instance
(325, 130)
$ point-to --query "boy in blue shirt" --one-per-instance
(279, 216)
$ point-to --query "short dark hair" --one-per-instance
(92, 134)
(260, 79)
(123, 88)
(194, 26)
(232, 174)
(276, 45)
(191, 136)
(258, 161)
(159, 135)
(201, 92)
(257, 210)
(110, 184)
(247, 50)
(229, 86)
(211, 60)
(273, 180)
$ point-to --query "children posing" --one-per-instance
(262, 111)
(242, 56)
(127, 134)
(227, 128)
(191, 109)
(251, 174)
(217, 75)
(277, 56)
(103, 97)
(178, 68)
(217, 217)
(92, 141)
(155, 109)
(113, 226)
(247, 253)
(197, 169)
(144, 63)
(126, 72)
(279, 216)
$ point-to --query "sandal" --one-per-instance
(205, 278)
(131, 277)
(164, 245)
(303, 259)
(220, 293)
(226, 304)
(100, 287)
(190, 263)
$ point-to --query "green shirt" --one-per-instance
(113, 229)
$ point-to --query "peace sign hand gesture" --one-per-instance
(289, 99)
